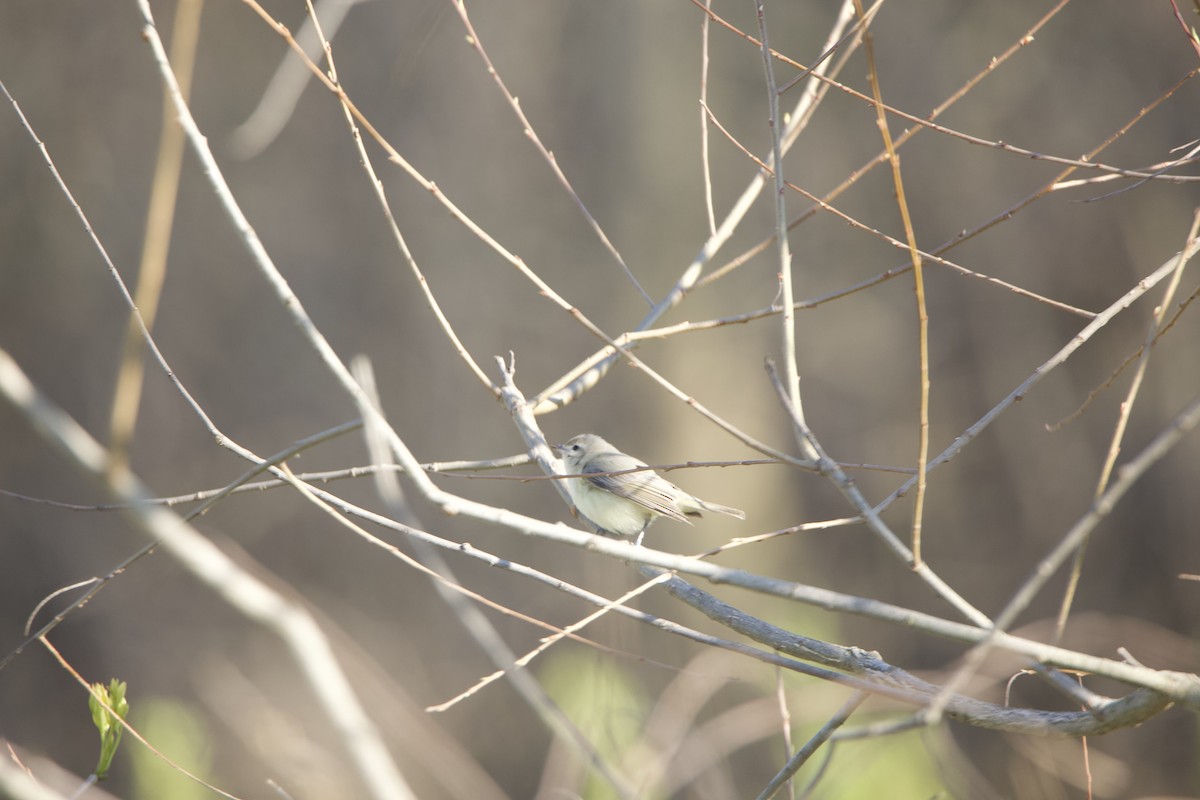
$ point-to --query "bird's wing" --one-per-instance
(644, 488)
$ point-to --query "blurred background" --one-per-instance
(613, 90)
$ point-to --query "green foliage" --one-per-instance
(604, 703)
(897, 766)
(179, 734)
(107, 705)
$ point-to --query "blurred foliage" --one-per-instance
(182, 736)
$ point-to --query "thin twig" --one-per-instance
(548, 642)
(1127, 476)
(820, 204)
(998, 145)
(1065, 352)
(705, 165)
(919, 287)
(1125, 410)
(1175, 685)
(787, 318)
(566, 389)
(812, 745)
(429, 561)
(1087, 161)
(881, 157)
(282, 93)
(160, 217)
(132, 731)
(785, 723)
(254, 598)
(1129, 360)
(527, 127)
(384, 206)
(829, 468)
(211, 499)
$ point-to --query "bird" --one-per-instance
(625, 504)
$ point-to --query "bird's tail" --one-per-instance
(720, 509)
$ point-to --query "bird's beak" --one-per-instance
(559, 448)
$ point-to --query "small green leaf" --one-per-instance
(106, 721)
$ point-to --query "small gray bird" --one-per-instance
(626, 504)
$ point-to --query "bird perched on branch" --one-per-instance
(625, 504)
